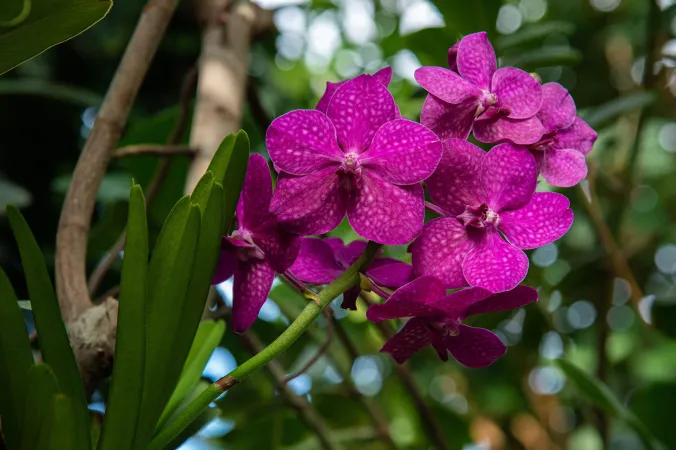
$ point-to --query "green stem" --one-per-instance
(345, 281)
(23, 15)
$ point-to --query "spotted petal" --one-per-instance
(252, 284)
(503, 301)
(358, 109)
(558, 108)
(518, 92)
(563, 167)
(509, 176)
(227, 264)
(476, 59)
(441, 249)
(447, 120)
(316, 263)
(475, 347)
(495, 265)
(310, 204)
(254, 200)
(279, 246)
(456, 182)
(302, 141)
(385, 213)
(383, 76)
(331, 88)
(446, 84)
(579, 136)
(403, 152)
(546, 218)
(349, 253)
(412, 299)
(412, 338)
(453, 57)
(390, 273)
(521, 132)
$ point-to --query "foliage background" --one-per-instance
(587, 314)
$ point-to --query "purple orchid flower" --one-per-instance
(257, 249)
(383, 76)
(560, 153)
(499, 104)
(358, 159)
(321, 261)
(437, 320)
(485, 195)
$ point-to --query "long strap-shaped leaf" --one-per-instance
(54, 342)
(169, 275)
(126, 393)
(43, 388)
(59, 431)
(15, 360)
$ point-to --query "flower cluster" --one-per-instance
(355, 156)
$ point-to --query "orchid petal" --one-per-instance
(563, 167)
(546, 218)
(441, 249)
(502, 129)
(453, 57)
(518, 92)
(503, 301)
(495, 265)
(509, 176)
(316, 263)
(447, 120)
(476, 59)
(279, 246)
(309, 205)
(302, 141)
(475, 347)
(358, 109)
(350, 252)
(579, 136)
(412, 338)
(252, 208)
(227, 264)
(383, 76)
(251, 287)
(403, 152)
(390, 273)
(412, 299)
(457, 183)
(446, 84)
(331, 88)
(350, 298)
(558, 108)
(385, 213)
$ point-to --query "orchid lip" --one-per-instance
(478, 216)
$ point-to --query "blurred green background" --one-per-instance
(616, 57)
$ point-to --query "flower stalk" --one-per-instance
(348, 279)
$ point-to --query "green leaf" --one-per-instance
(48, 23)
(15, 360)
(600, 395)
(229, 166)
(126, 393)
(54, 343)
(44, 387)
(654, 405)
(209, 335)
(602, 115)
(200, 421)
(470, 17)
(59, 431)
(542, 57)
(169, 276)
(534, 33)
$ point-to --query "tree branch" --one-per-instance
(92, 328)
(427, 417)
(223, 67)
(153, 150)
(307, 412)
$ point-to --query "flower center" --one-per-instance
(247, 250)
(486, 101)
(446, 328)
(351, 163)
(349, 172)
(545, 143)
(478, 216)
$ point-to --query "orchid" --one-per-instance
(560, 153)
(257, 249)
(383, 76)
(436, 319)
(498, 104)
(359, 158)
(485, 195)
(321, 261)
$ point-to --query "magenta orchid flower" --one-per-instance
(383, 76)
(257, 249)
(321, 261)
(436, 319)
(498, 104)
(486, 195)
(560, 153)
(358, 159)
